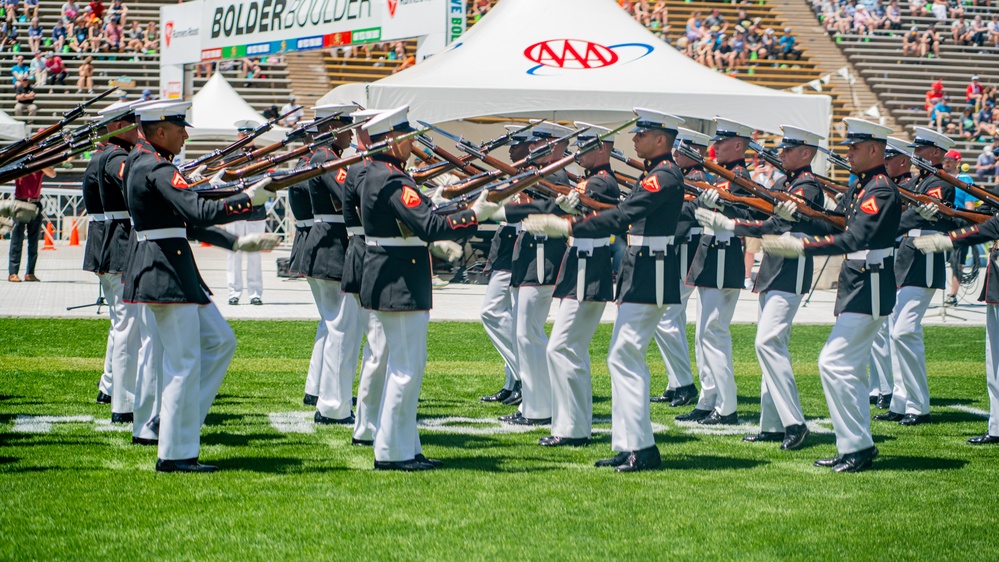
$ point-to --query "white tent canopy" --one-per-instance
(516, 62)
(216, 108)
(10, 128)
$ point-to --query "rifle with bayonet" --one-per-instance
(17, 148)
(11, 172)
(449, 162)
(295, 135)
(220, 153)
(772, 197)
(695, 188)
(831, 188)
(972, 189)
(631, 162)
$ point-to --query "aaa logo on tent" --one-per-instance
(579, 54)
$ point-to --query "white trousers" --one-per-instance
(881, 362)
(498, 321)
(714, 362)
(530, 312)
(671, 338)
(107, 281)
(371, 383)
(909, 352)
(779, 403)
(397, 438)
(316, 361)
(234, 269)
(631, 424)
(843, 370)
(125, 358)
(198, 345)
(342, 317)
(992, 366)
(148, 382)
(569, 367)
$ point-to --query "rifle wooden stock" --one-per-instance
(774, 196)
(457, 162)
(631, 162)
(457, 190)
(266, 163)
(625, 180)
(971, 188)
(697, 187)
(943, 208)
(429, 172)
(18, 148)
(548, 187)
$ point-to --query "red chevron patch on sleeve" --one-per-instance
(724, 185)
(121, 170)
(581, 187)
(177, 181)
(410, 198)
(651, 184)
(341, 175)
(870, 206)
(936, 192)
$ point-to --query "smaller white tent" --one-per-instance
(10, 128)
(216, 108)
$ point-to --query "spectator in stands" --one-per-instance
(942, 117)
(878, 16)
(152, 38)
(973, 92)
(31, 6)
(985, 167)
(979, 32)
(930, 42)
(893, 17)
(911, 42)
(968, 127)
(480, 8)
(406, 63)
(119, 9)
(695, 29)
(939, 9)
(85, 17)
(147, 95)
(992, 29)
(960, 31)
(135, 38)
(725, 54)
(35, 33)
(56, 69)
(754, 44)
(78, 39)
(38, 69)
(786, 46)
(97, 8)
(8, 34)
(292, 119)
(933, 95)
(95, 35)
(769, 43)
(954, 8)
(985, 126)
(24, 96)
(716, 19)
(919, 8)
(59, 35)
(69, 11)
(113, 34)
(86, 76)
(862, 21)
(843, 22)
(10, 10)
(19, 69)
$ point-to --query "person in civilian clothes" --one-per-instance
(398, 225)
(649, 280)
(197, 342)
(256, 223)
(865, 292)
(28, 191)
(781, 284)
(671, 334)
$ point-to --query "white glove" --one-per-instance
(714, 221)
(928, 211)
(20, 211)
(934, 243)
(437, 198)
(447, 250)
(198, 174)
(787, 210)
(784, 246)
(258, 192)
(500, 214)
(217, 178)
(256, 242)
(709, 199)
(839, 197)
(569, 202)
(548, 225)
(6, 225)
(483, 208)
(828, 203)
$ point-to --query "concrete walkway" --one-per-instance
(65, 284)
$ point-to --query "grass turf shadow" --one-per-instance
(710, 462)
(913, 464)
(271, 465)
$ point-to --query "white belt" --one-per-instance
(876, 258)
(799, 280)
(355, 231)
(328, 218)
(393, 241)
(930, 258)
(516, 227)
(160, 234)
(584, 247)
(588, 244)
(117, 215)
(307, 223)
(920, 232)
(657, 245)
(695, 231)
(722, 236)
(539, 258)
(97, 217)
(872, 257)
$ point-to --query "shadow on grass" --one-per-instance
(5, 397)
(224, 419)
(709, 462)
(495, 464)
(461, 440)
(918, 463)
(956, 417)
(944, 402)
(239, 440)
(270, 465)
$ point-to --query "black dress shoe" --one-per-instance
(828, 463)
(667, 396)
(717, 419)
(234, 301)
(683, 396)
(889, 416)
(103, 398)
(516, 396)
(694, 415)
(185, 465)
(128, 417)
(510, 417)
(500, 396)
(983, 440)
(884, 401)
(432, 462)
(556, 441)
(411, 465)
(530, 421)
(914, 419)
(616, 460)
(256, 301)
(142, 441)
(857, 462)
(764, 437)
(323, 420)
(361, 442)
(873, 398)
(794, 436)
(644, 459)
(310, 400)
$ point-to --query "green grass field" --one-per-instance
(80, 493)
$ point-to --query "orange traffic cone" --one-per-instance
(49, 237)
(74, 235)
